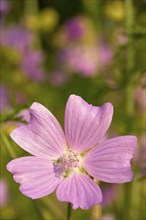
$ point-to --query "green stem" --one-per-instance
(129, 103)
(129, 26)
(127, 201)
(38, 210)
(93, 9)
(8, 117)
(7, 145)
(31, 7)
(69, 208)
(13, 115)
(130, 59)
(129, 99)
(96, 212)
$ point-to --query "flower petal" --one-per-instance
(80, 190)
(110, 161)
(35, 175)
(43, 136)
(85, 125)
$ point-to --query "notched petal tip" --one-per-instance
(75, 98)
(134, 145)
(86, 124)
(135, 141)
(110, 161)
(37, 105)
(72, 96)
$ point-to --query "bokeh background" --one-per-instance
(50, 49)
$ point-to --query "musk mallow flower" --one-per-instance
(66, 162)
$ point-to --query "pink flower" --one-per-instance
(62, 162)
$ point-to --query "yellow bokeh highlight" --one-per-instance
(11, 54)
(32, 22)
(115, 10)
(46, 20)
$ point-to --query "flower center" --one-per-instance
(64, 165)
(70, 160)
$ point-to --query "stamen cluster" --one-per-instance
(70, 160)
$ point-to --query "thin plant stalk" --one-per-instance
(97, 209)
(8, 146)
(129, 102)
(31, 8)
(130, 58)
(38, 210)
(69, 209)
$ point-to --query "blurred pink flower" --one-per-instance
(58, 160)
(109, 194)
(6, 103)
(20, 39)
(82, 60)
(17, 37)
(105, 54)
(58, 78)
(75, 28)
(4, 197)
(20, 98)
(107, 217)
(5, 6)
(85, 60)
(4, 98)
(122, 39)
(31, 65)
